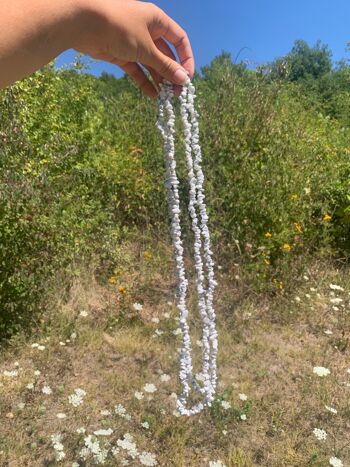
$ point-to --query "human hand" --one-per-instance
(132, 33)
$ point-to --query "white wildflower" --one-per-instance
(75, 464)
(137, 306)
(46, 390)
(128, 444)
(336, 287)
(105, 412)
(73, 336)
(243, 396)
(328, 332)
(155, 320)
(216, 464)
(21, 405)
(158, 332)
(148, 459)
(83, 313)
(149, 387)
(164, 377)
(62, 343)
(321, 371)
(243, 417)
(166, 315)
(103, 432)
(30, 386)
(34, 345)
(225, 405)
(320, 434)
(41, 347)
(335, 462)
(199, 343)
(37, 372)
(81, 430)
(139, 395)
(77, 398)
(145, 425)
(336, 300)
(61, 415)
(177, 332)
(11, 374)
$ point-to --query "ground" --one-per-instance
(124, 360)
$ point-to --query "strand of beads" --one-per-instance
(166, 124)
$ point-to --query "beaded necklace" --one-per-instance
(166, 125)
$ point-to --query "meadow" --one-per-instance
(88, 319)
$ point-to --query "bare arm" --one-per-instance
(124, 32)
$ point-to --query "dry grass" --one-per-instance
(267, 351)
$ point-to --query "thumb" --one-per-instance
(168, 68)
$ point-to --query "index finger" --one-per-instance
(171, 31)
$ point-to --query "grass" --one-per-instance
(268, 348)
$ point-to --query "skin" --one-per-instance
(131, 34)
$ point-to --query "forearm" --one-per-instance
(34, 32)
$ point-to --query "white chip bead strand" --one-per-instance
(166, 125)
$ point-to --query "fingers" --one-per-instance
(170, 30)
(138, 75)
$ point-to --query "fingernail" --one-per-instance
(181, 77)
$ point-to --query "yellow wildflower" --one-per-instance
(281, 285)
(297, 227)
(327, 217)
(294, 197)
(147, 254)
(268, 234)
(267, 262)
(122, 290)
(112, 280)
(286, 246)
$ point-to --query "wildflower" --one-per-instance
(46, 390)
(335, 462)
(73, 336)
(83, 313)
(169, 303)
(328, 332)
(10, 374)
(199, 343)
(62, 343)
(286, 246)
(243, 417)
(137, 306)
(243, 396)
(147, 255)
(166, 315)
(297, 227)
(37, 372)
(61, 415)
(41, 347)
(81, 430)
(348, 371)
(148, 459)
(128, 444)
(139, 395)
(75, 464)
(149, 387)
(320, 434)
(336, 300)
(58, 446)
(331, 409)
(34, 345)
(176, 413)
(177, 332)
(225, 405)
(327, 217)
(294, 197)
(112, 280)
(21, 405)
(321, 371)
(336, 287)
(120, 410)
(122, 290)
(155, 320)
(164, 377)
(103, 432)
(158, 332)
(30, 386)
(76, 398)
(268, 234)
(145, 425)
(105, 412)
(216, 464)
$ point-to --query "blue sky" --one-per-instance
(265, 29)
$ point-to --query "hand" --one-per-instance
(132, 33)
